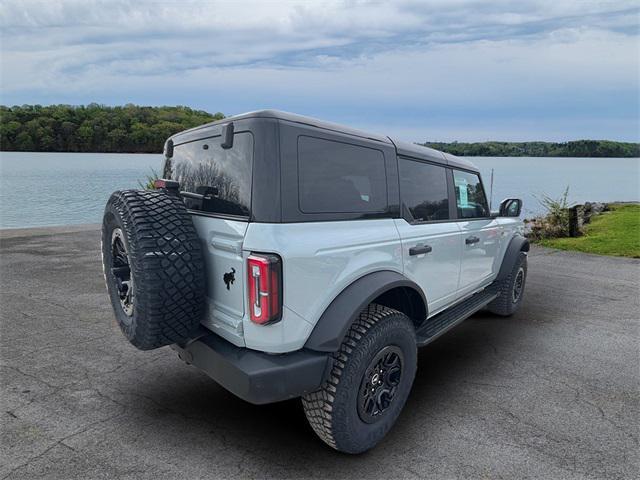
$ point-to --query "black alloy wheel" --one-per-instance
(121, 270)
(380, 383)
(518, 285)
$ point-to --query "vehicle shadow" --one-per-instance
(206, 411)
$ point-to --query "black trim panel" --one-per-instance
(200, 213)
(453, 202)
(332, 326)
(516, 245)
(455, 314)
(256, 377)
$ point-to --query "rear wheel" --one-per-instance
(511, 289)
(153, 267)
(369, 383)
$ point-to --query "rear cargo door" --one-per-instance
(222, 245)
(215, 184)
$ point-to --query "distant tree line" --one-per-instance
(136, 129)
(578, 148)
(94, 128)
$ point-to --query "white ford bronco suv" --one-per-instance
(288, 257)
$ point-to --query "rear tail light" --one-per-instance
(265, 288)
(164, 183)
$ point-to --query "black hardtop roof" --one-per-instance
(290, 117)
(413, 150)
(404, 148)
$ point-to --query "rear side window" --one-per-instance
(470, 197)
(220, 178)
(423, 189)
(336, 177)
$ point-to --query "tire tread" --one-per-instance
(319, 406)
(167, 265)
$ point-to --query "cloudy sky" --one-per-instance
(436, 70)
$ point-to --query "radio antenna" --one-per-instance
(491, 191)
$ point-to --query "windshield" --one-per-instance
(218, 179)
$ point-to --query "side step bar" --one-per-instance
(442, 322)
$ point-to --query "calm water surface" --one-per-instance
(39, 189)
(588, 179)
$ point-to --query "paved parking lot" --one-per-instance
(551, 393)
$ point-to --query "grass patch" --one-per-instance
(616, 232)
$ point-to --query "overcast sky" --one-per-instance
(420, 70)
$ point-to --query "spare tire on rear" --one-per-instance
(153, 267)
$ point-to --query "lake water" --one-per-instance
(41, 189)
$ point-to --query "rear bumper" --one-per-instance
(254, 376)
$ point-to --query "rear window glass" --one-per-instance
(336, 177)
(423, 188)
(220, 178)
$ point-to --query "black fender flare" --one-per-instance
(331, 328)
(517, 244)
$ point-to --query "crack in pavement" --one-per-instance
(59, 442)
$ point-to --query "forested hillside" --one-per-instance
(136, 129)
(94, 128)
(578, 148)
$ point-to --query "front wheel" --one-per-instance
(369, 383)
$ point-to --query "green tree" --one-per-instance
(94, 127)
(578, 148)
(25, 141)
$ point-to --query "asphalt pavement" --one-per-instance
(553, 392)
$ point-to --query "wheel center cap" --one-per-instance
(376, 378)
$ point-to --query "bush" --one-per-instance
(148, 182)
(555, 222)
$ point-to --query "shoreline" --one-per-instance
(6, 233)
(161, 153)
(43, 230)
(104, 153)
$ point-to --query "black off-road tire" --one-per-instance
(165, 261)
(333, 410)
(508, 302)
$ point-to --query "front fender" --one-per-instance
(518, 244)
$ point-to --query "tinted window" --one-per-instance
(423, 189)
(337, 177)
(470, 198)
(221, 176)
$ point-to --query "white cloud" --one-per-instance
(413, 59)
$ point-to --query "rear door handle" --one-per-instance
(471, 240)
(420, 249)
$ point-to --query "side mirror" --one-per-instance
(511, 207)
